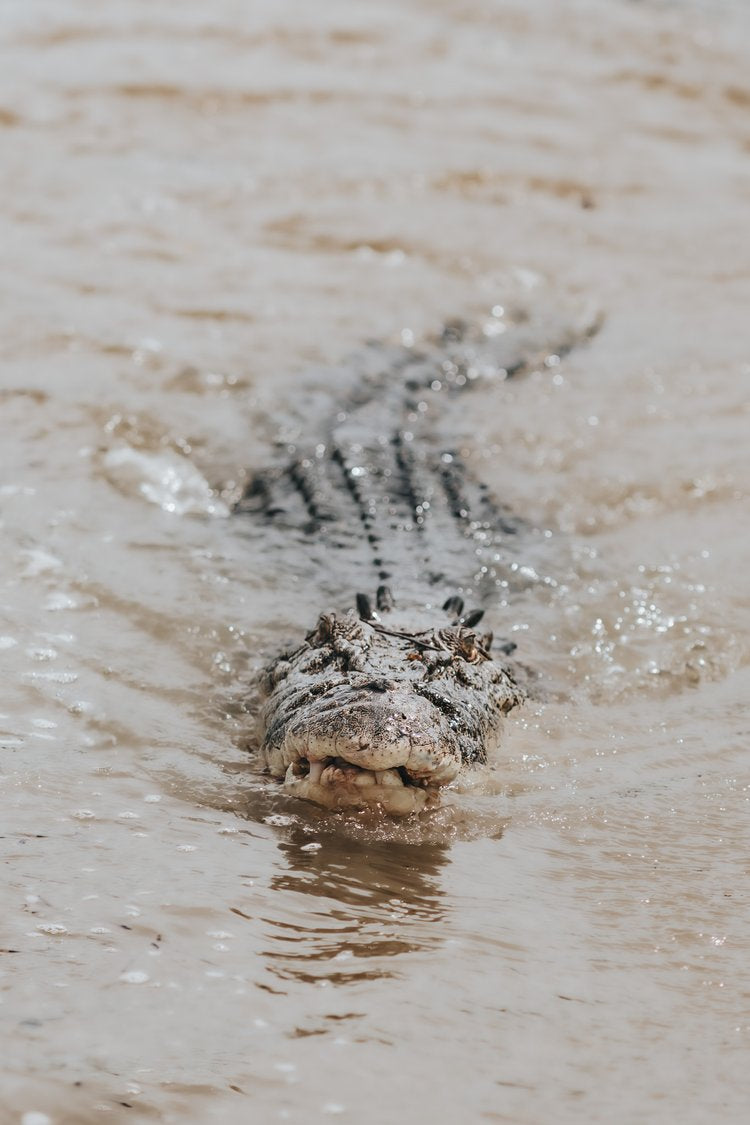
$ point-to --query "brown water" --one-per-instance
(200, 202)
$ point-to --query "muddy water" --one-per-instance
(199, 205)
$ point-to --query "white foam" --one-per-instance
(166, 479)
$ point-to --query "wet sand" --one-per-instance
(202, 209)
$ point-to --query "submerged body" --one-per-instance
(383, 706)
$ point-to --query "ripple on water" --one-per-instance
(569, 968)
(613, 633)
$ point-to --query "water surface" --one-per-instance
(202, 205)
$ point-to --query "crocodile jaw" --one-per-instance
(362, 715)
(364, 754)
(340, 787)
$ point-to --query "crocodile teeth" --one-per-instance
(328, 771)
(389, 777)
(340, 785)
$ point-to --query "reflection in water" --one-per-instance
(372, 901)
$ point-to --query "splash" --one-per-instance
(166, 479)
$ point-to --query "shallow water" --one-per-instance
(201, 205)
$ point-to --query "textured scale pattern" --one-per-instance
(383, 706)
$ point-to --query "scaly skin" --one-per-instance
(383, 710)
(383, 707)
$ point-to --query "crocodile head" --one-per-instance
(382, 709)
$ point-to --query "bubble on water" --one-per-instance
(81, 707)
(314, 847)
(34, 1117)
(134, 976)
(278, 821)
(7, 642)
(54, 677)
(36, 652)
(186, 848)
(83, 814)
(152, 798)
(166, 479)
(54, 929)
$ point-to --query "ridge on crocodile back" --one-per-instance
(383, 705)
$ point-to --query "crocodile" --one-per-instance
(388, 696)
